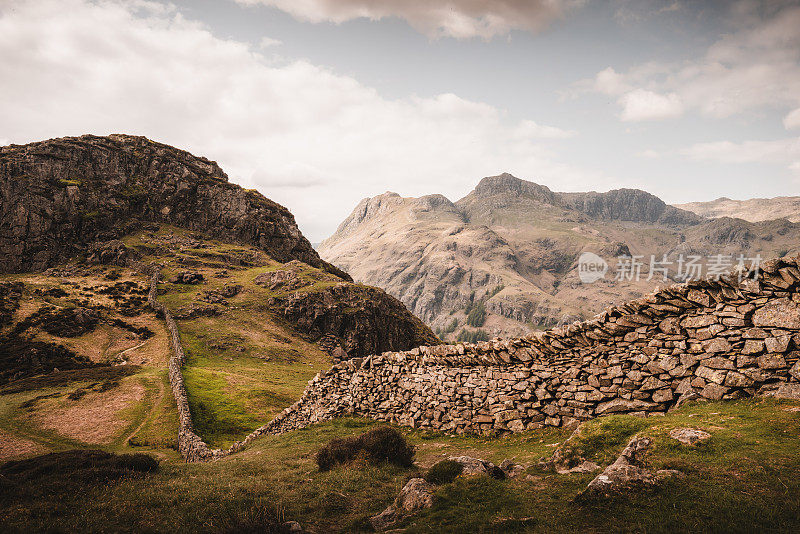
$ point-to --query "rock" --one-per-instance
(375, 322)
(511, 469)
(625, 474)
(93, 188)
(622, 405)
(186, 277)
(783, 390)
(771, 361)
(476, 466)
(698, 321)
(416, 495)
(584, 467)
(292, 526)
(689, 436)
(779, 313)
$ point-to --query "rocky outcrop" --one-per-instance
(363, 319)
(57, 197)
(628, 473)
(713, 340)
(629, 205)
(416, 495)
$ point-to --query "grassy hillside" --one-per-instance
(744, 479)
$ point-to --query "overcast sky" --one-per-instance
(319, 103)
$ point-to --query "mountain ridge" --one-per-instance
(443, 258)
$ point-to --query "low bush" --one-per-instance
(443, 472)
(383, 444)
(79, 465)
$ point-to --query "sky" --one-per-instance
(320, 103)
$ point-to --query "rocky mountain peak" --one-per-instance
(59, 196)
(505, 184)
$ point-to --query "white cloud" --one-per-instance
(304, 136)
(792, 120)
(436, 18)
(642, 105)
(4, 141)
(753, 66)
(268, 42)
(780, 151)
(530, 130)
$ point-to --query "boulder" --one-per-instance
(416, 495)
(627, 473)
(476, 466)
(689, 436)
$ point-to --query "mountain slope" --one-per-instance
(753, 209)
(509, 249)
(84, 358)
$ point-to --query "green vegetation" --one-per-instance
(477, 315)
(379, 445)
(472, 336)
(443, 472)
(64, 181)
(746, 478)
(449, 329)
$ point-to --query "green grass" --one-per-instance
(744, 479)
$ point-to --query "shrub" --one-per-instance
(383, 444)
(477, 316)
(472, 336)
(78, 465)
(443, 472)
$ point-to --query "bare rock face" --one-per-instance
(365, 319)
(416, 495)
(59, 196)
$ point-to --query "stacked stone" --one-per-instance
(190, 445)
(722, 339)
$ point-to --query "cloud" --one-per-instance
(780, 151)
(642, 105)
(461, 19)
(528, 129)
(753, 66)
(268, 42)
(792, 120)
(304, 136)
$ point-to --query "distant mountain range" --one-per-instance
(504, 259)
(753, 210)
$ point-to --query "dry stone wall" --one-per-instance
(723, 339)
(190, 445)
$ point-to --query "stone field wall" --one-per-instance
(723, 339)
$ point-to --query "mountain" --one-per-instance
(60, 195)
(753, 210)
(503, 260)
(84, 221)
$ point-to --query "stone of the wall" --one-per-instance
(723, 339)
